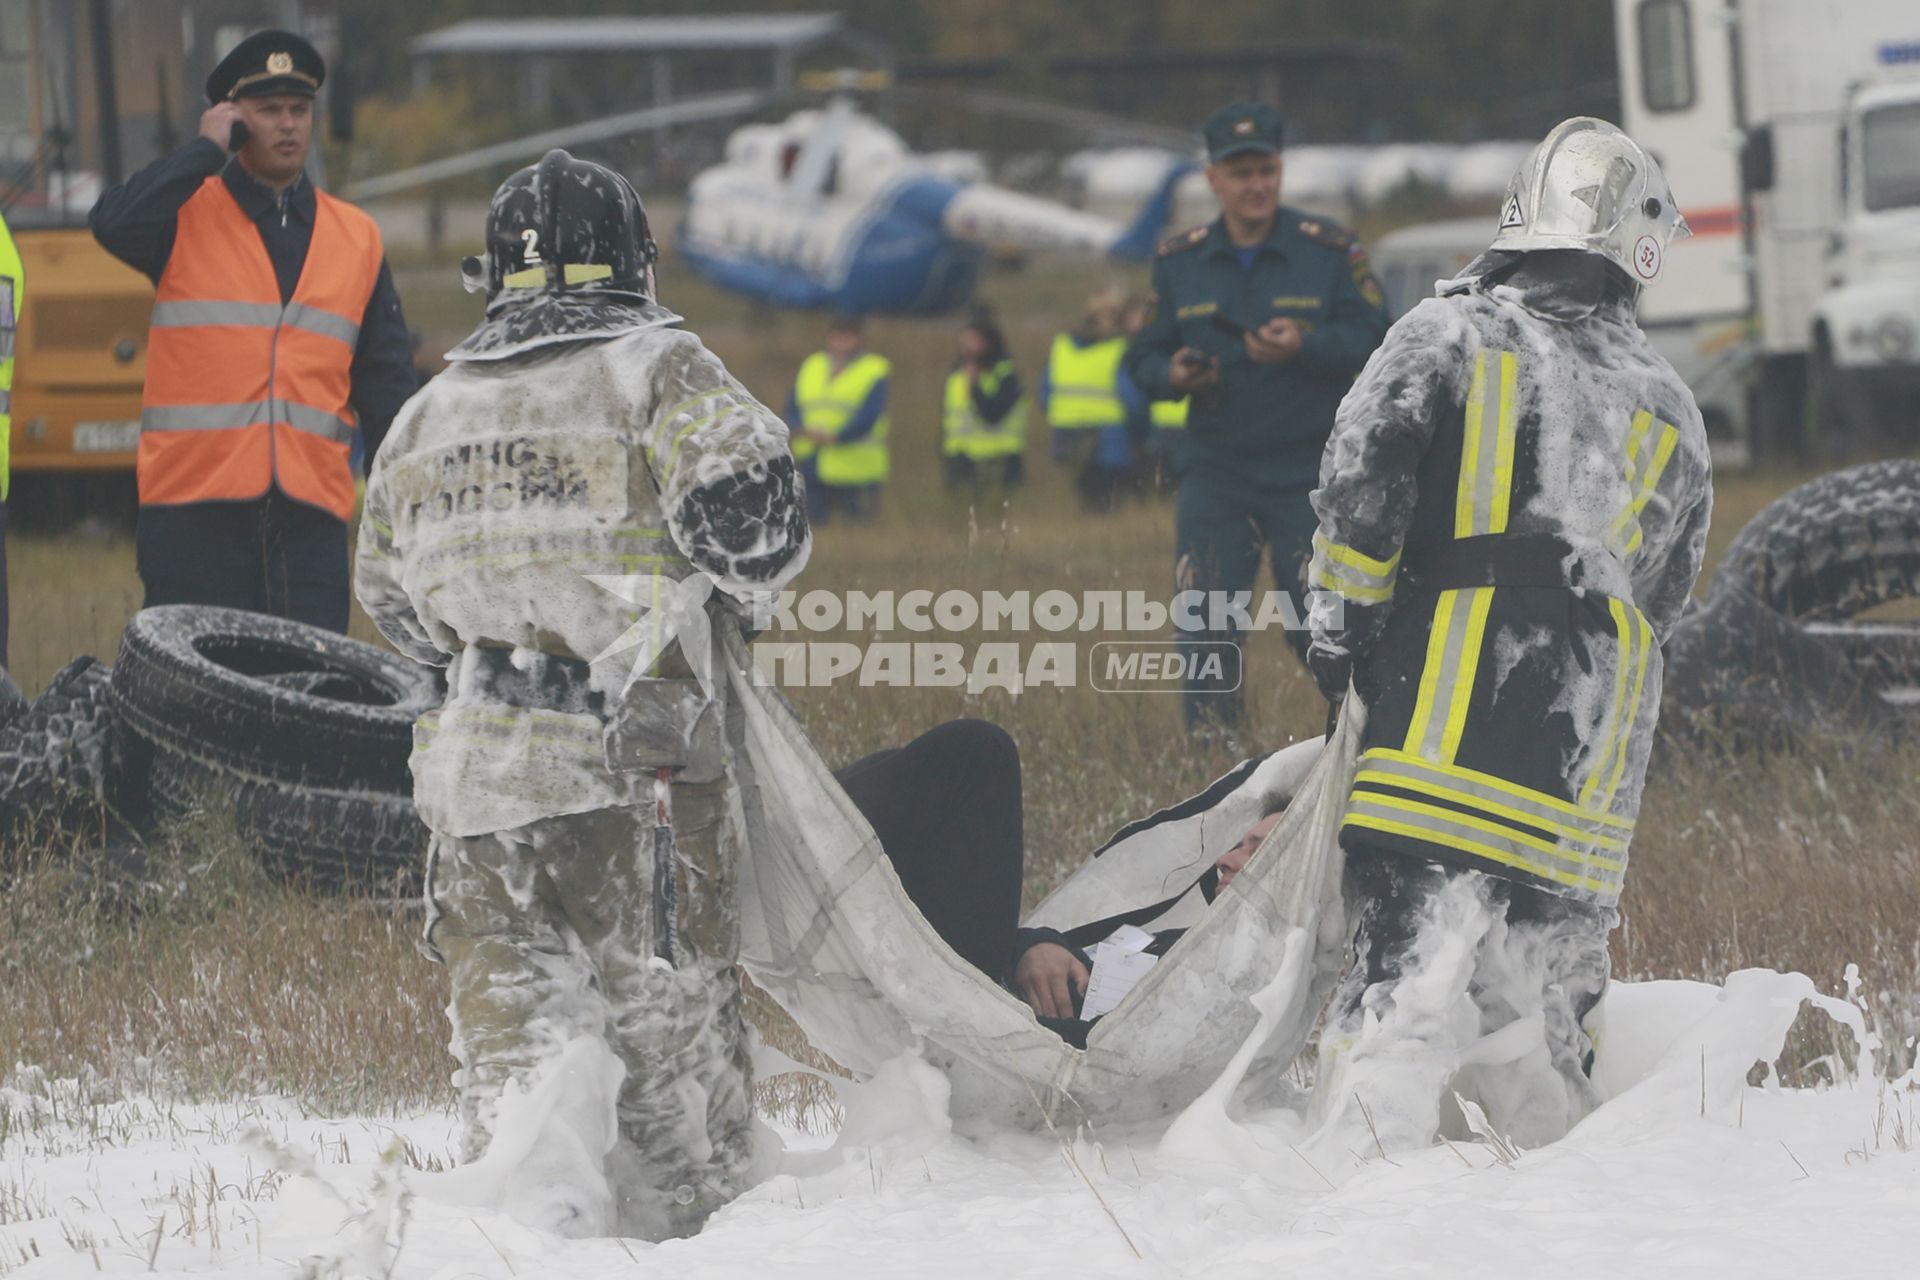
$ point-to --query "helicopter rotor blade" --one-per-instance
(717, 106)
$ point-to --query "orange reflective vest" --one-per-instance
(244, 394)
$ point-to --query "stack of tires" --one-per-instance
(1777, 653)
(304, 733)
(58, 755)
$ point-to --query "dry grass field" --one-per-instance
(210, 980)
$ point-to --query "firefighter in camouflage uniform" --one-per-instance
(1512, 506)
(576, 433)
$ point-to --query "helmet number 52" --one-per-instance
(1646, 257)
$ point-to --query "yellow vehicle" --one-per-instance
(89, 92)
(81, 354)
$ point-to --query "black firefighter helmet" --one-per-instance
(569, 256)
(566, 224)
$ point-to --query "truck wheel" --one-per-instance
(59, 756)
(1834, 547)
(1741, 675)
(1777, 409)
(1839, 415)
(271, 698)
(314, 837)
(1885, 654)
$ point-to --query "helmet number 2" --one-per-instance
(531, 238)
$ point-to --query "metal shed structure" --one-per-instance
(766, 46)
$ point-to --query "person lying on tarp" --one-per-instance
(948, 810)
(1052, 970)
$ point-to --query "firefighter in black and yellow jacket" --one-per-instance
(1513, 507)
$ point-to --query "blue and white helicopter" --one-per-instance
(830, 210)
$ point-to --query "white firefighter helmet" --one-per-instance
(1590, 187)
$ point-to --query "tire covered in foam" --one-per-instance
(271, 698)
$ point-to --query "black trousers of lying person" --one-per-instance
(947, 808)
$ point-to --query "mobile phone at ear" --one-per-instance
(237, 138)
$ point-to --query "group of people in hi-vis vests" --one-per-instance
(1101, 425)
(1117, 441)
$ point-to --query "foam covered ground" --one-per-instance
(1686, 1170)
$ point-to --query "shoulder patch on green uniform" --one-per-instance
(1180, 241)
(1326, 232)
(1363, 278)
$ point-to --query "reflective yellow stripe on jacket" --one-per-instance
(1604, 769)
(964, 435)
(1083, 384)
(1650, 444)
(827, 401)
(1352, 574)
(1575, 845)
(1486, 458)
(1446, 680)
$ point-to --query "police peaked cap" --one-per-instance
(267, 63)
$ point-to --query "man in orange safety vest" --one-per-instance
(276, 338)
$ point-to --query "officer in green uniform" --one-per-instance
(1261, 318)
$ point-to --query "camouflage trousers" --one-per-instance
(546, 931)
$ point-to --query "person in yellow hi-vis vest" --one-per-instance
(12, 284)
(983, 419)
(837, 412)
(1080, 395)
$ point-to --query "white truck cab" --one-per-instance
(1790, 130)
(1866, 327)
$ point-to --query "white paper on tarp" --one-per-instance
(1117, 970)
(1128, 937)
(1118, 962)
(828, 931)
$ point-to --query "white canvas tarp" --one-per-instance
(828, 932)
